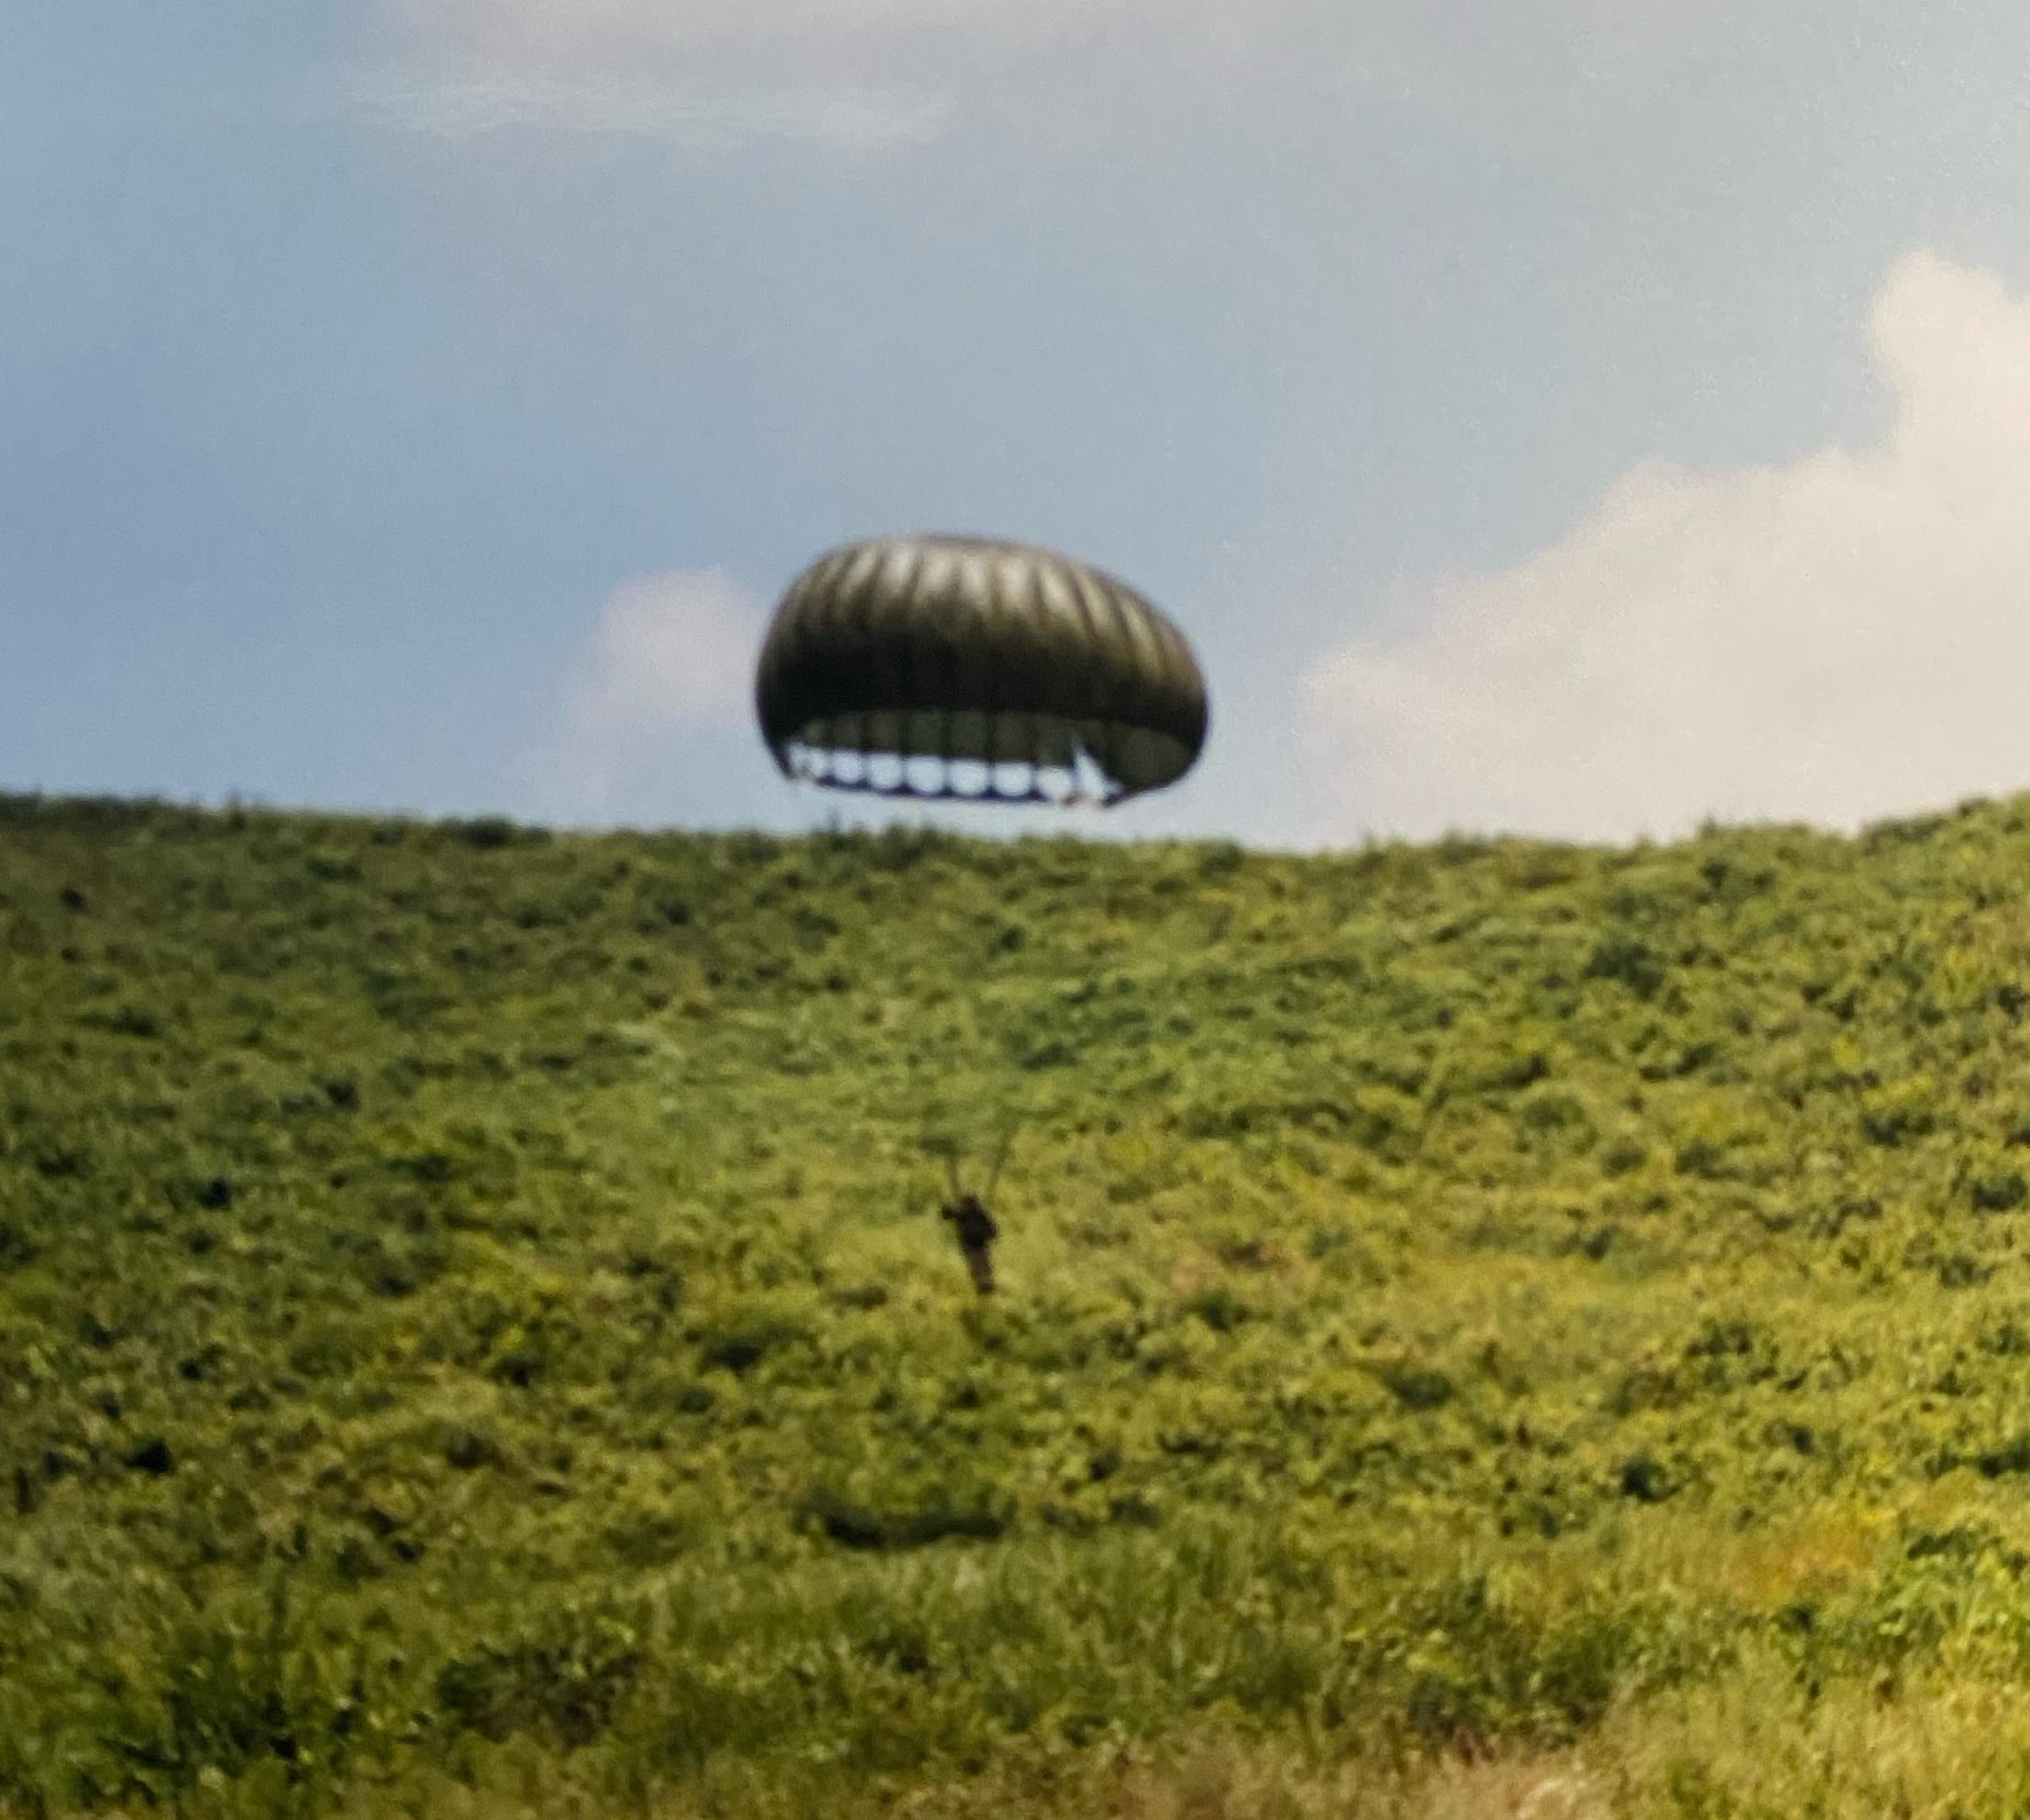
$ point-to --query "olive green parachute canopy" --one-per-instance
(971, 668)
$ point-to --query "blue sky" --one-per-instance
(1568, 416)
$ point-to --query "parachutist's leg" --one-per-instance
(979, 1260)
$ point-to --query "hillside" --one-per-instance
(472, 1314)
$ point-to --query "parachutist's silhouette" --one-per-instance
(971, 1223)
(977, 1232)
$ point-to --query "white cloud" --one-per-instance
(840, 118)
(877, 75)
(672, 655)
(1840, 639)
(690, 73)
(864, 76)
(548, 31)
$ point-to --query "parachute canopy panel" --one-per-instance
(971, 668)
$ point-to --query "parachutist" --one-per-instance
(965, 1213)
(977, 1232)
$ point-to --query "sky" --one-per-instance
(1581, 418)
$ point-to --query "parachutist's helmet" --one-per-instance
(975, 668)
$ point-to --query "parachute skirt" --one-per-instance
(929, 778)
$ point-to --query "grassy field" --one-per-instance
(1490, 1328)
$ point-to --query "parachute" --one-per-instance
(975, 669)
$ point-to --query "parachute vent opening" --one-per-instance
(925, 776)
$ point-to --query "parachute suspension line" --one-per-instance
(1009, 1127)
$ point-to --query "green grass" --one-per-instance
(473, 1319)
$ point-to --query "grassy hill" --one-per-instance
(1484, 1327)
